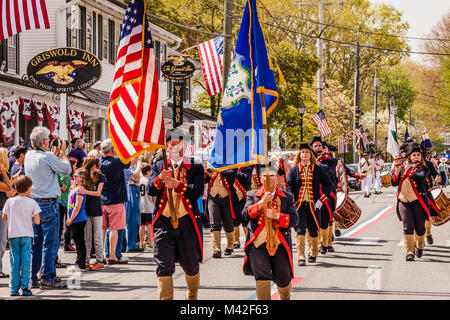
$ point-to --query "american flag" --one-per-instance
(322, 123)
(136, 122)
(211, 57)
(21, 15)
(359, 132)
(190, 149)
(342, 146)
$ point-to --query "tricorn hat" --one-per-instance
(316, 138)
(330, 146)
(414, 147)
(304, 145)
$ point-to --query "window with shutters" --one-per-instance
(12, 63)
(111, 42)
(9, 54)
(116, 38)
(89, 32)
(105, 37)
(100, 36)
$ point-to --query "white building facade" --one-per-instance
(91, 25)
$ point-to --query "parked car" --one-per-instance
(354, 183)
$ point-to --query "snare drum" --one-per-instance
(347, 212)
(443, 204)
(386, 178)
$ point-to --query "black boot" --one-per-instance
(301, 262)
(228, 251)
(330, 249)
(430, 239)
(410, 257)
(311, 259)
(337, 233)
(419, 253)
(323, 249)
(217, 254)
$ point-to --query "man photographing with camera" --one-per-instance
(42, 168)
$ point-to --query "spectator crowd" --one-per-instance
(90, 204)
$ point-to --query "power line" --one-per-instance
(361, 45)
(371, 32)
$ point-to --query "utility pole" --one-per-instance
(356, 111)
(320, 77)
(227, 46)
(375, 106)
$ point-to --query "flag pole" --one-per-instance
(271, 246)
(173, 215)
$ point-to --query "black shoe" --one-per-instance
(337, 233)
(430, 239)
(236, 246)
(301, 262)
(330, 249)
(410, 257)
(323, 250)
(228, 251)
(53, 285)
(419, 253)
(35, 284)
(26, 292)
(217, 254)
(311, 259)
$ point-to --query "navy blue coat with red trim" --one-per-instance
(244, 176)
(320, 178)
(190, 191)
(420, 186)
(330, 164)
(230, 176)
(288, 219)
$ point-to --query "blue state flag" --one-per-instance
(406, 134)
(239, 138)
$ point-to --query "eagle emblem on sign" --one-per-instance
(60, 72)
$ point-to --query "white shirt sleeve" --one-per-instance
(36, 208)
(6, 209)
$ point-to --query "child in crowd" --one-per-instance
(93, 230)
(20, 212)
(147, 207)
(77, 214)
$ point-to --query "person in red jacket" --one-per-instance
(270, 213)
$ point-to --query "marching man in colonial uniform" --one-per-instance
(365, 166)
(256, 177)
(268, 250)
(329, 164)
(242, 184)
(413, 205)
(176, 234)
(311, 187)
(378, 166)
(223, 209)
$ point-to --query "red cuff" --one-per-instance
(283, 221)
(158, 184)
(394, 177)
(182, 186)
(323, 198)
(253, 211)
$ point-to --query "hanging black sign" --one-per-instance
(64, 70)
(177, 68)
(178, 89)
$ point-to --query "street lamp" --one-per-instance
(301, 110)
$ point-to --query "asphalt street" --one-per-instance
(368, 263)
